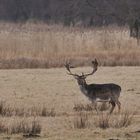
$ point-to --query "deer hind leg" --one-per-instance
(113, 106)
(96, 108)
(119, 105)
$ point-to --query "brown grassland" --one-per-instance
(46, 104)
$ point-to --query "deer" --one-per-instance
(104, 93)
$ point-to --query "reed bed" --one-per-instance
(43, 46)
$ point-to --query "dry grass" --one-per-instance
(40, 110)
(81, 121)
(118, 121)
(90, 107)
(103, 120)
(42, 46)
(28, 126)
(37, 89)
(124, 120)
(82, 107)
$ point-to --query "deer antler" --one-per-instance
(95, 66)
(67, 65)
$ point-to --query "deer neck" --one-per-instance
(83, 89)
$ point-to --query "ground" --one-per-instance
(53, 88)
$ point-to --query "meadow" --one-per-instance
(46, 103)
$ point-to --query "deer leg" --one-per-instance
(113, 106)
(95, 106)
(119, 105)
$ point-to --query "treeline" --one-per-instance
(71, 12)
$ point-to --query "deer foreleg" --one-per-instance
(113, 106)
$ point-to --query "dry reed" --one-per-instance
(42, 46)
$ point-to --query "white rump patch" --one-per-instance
(102, 100)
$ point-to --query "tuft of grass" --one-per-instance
(118, 121)
(8, 111)
(3, 128)
(124, 120)
(21, 126)
(48, 112)
(103, 106)
(90, 107)
(81, 121)
(103, 121)
(32, 127)
(82, 107)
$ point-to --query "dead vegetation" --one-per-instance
(82, 107)
(124, 119)
(81, 121)
(103, 120)
(39, 91)
(28, 126)
(40, 110)
(43, 46)
(90, 107)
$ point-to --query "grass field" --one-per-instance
(47, 103)
(43, 46)
(42, 101)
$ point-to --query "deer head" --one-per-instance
(81, 78)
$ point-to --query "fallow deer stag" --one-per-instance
(109, 92)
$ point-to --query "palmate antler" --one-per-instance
(67, 65)
(95, 66)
